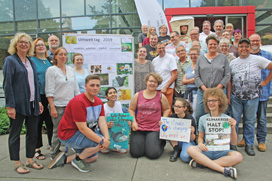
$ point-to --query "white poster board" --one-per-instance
(217, 135)
(111, 57)
(175, 129)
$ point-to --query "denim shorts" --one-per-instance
(79, 142)
(214, 155)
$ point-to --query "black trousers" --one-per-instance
(31, 124)
(44, 117)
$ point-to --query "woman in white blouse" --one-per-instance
(60, 87)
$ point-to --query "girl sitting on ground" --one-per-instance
(112, 106)
(183, 110)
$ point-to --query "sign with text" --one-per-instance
(217, 135)
(175, 129)
(119, 133)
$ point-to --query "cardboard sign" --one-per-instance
(119, 133)
(217, 135)
(175, 129)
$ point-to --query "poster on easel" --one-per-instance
(119, 133)
(217, 135)
(111, 57)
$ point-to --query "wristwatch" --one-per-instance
(101, 142)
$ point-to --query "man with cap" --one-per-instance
(245, 89)
(255, 41)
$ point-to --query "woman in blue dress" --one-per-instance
(80, 72)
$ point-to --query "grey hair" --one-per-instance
(219, 21)
(195, 29)
(224, 40)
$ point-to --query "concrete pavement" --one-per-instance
(116, 166)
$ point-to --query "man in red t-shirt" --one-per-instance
(84, 138)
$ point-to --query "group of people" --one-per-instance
(216, 77)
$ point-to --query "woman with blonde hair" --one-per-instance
(151, 30)
(22, 100)
(80, 72)
(60, 87)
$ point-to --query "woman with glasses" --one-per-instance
(150, 105)
(22, 100)
(189, 79)
(211, 70)
(60, 87)
(183, 110)
(42, 64)
(215, 102)
(224, 46)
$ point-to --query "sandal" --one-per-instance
(39, 154)
(23, 167)
(31, 165)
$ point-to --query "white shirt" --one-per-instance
(163, 66)
(203, 36)
(116, 109)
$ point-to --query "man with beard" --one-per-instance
(206, 28)
(163, 34)
(151, 48)
(218, 27)
(53, 43)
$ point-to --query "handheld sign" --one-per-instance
(175, 129)
(217, 135)
(119, 133)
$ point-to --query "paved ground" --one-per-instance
(115, 166)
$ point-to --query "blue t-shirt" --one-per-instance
(190, 73)
(81, 80)
(41, 66)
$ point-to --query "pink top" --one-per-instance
(149, 112)
(30, 77)
(146, 41)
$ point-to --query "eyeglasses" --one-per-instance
(194, 34)
(212, 101)
(243, 46)
(182, 50)
(40, 45)
(193, 54)
(152, 81)
(224, 46)
(23, 42)
(178, 107)
(172, 36)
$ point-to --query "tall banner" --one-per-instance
(151, 13)
(111, 57)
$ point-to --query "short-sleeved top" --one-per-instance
(140, 71)
(246, 76)
(41, 66)
(187, 116)
(202, 122)
(149, 112)
(146, 41)
(117, 108)
(151, 52)
(171, 48)
(79, 109)
(163, 66)
(190, 73)
(81, 80)
(180, 88)
(141, 37)
(164, 38)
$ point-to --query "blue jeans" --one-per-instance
(79, 142)
(214, 155)
(199, 106)
(261, 122)
(248, 108)
(184, 146)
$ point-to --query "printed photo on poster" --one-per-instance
(124, 94)
(95, 69)
(71, 40)
(120, 81)
(104, 79)
(70, 57)
(109, 68)
(124, 68)
(102, 93)
(125, 108)
(126, 44)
